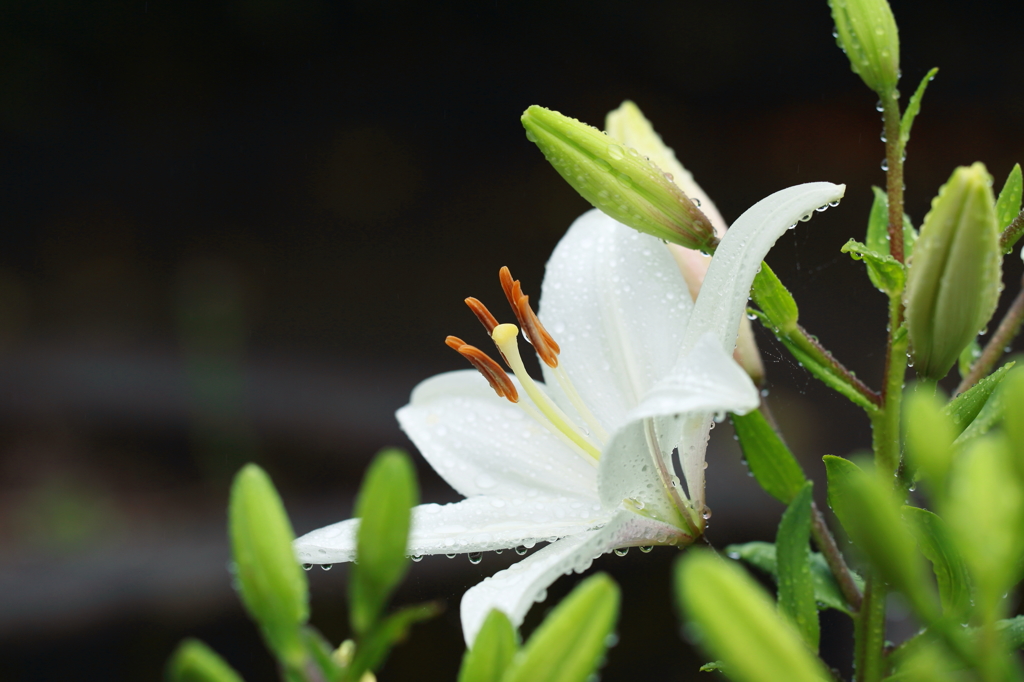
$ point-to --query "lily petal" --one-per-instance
(675, 413)
(484, 445)
(515, 589)
(617, 304)
(476, 524)
(726, 287)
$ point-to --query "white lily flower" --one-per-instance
(585, 461)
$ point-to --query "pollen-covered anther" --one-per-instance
(483, 314)
(534, 331)
(495, 375)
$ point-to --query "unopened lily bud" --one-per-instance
(618, 180)
(866, 32)
(270, 581)
(954, 275)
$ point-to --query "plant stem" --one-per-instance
(1012, 232)
(810, 345)
(994, 349)
(894, 173)
(885, 425)
(826, 543)
(869, 633)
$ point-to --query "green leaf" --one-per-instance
(492, 651)
(877, 237)
(965, 408)
(950, 570)
(827, 594)
(271, 582)
(388, 493)
(373, 648)
(868, 512)
(712, 667)
(929, 433)
(913, 108)
(775, 301)
(886, 273)
(1011, 400)
(990, 415)
(193, 661)
(1012, 630)
(570, 643)
(793, 552)
(1008, 203)
(771, 462)
(738, 623)
(968, 356)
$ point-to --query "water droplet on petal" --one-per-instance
(646, 550)
(705, 513)
(417, 557)
(520, 550)
(450, 556)
(306, 567)
(476, 557)
(621, 551)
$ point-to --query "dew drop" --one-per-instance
(417, 557)
(615, 151)
(705, 513)
(603, 165)
(805, 218)
(621, 551)
(520, 550)
(450, 556)
(476, 557)
(696, 201)
(326, 567)
(306, 567)
(646, 550)
(885, 164)
(498, 551)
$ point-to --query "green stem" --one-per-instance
(869, 633)
(997, 344)
(894, 173)
(885, 424)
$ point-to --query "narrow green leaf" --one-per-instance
(771, 462)
(914, 107)
(991, 414)
(877, 237)
(271, 582)
(868, 512)
(775, 301)
(1012, 630)
(793, 552)
(570, 643)
(738, 623)
(321, 653)
(373, 648)
(950, 570)
(492, 651)
(712, 666)
(1008, 203)
(968, 405)
(1011, 398)
(886, 273)
(388, 493)
(827, 594)
(193, 661)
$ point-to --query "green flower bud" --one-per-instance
(618, 180)
(866, 32)
(271, 582)
(954, 276)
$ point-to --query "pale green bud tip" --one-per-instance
(271, 582)
(866, 31)
(954, 275)
(618, 180)
(193, 661)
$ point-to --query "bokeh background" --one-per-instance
(240, 230)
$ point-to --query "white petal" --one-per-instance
(704, 381)
(484, 445)
(477, 524)
(515, 589)
(617, 304)
(723, 297)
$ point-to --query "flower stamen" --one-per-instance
(534, 331)
(491, 370)
(504, 337)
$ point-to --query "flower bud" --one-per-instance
(618, 180)
(270, 580)
(866, 32)
(954, 276)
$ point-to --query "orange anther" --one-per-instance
(534, 331)
(495, 375)
(483, 314)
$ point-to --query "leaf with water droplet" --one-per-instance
(793, 556)
(771, 462)
(885, 272)
(913, 108)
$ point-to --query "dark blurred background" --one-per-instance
(240, 230)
